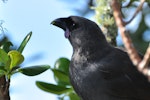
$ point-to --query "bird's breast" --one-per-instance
(85, 78)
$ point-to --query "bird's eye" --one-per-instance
(73, 26)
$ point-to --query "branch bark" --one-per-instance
(4, 88)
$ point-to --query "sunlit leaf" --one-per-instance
(56, 89)
(16, 58)
(3, 57)
(24, 42)
(33, 70)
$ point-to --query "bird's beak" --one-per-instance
(60, 22)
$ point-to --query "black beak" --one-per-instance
(63, 24)
(60, 22)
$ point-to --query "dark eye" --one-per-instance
(71, 24)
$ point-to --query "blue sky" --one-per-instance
(23, 16)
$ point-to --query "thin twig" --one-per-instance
(136, 12)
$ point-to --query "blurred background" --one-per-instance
(47, 43)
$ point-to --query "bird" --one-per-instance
(98, 70)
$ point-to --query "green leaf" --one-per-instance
(73, 96)
(60, 77)
(56, 89)
(33, 70)
(6, 46)
(2, 71)
(16, 58)
(24, 42)
(62, 64)
(2, 68)
(4, 58)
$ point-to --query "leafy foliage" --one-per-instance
(11, 59)
(63, 88)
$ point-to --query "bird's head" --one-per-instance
(80, 31)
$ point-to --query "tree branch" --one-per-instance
(4, 88)
(142, 65)
(136, 12)
(126, 39)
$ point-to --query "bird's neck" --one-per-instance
(91, 51)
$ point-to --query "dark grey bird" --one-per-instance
(99, 71)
